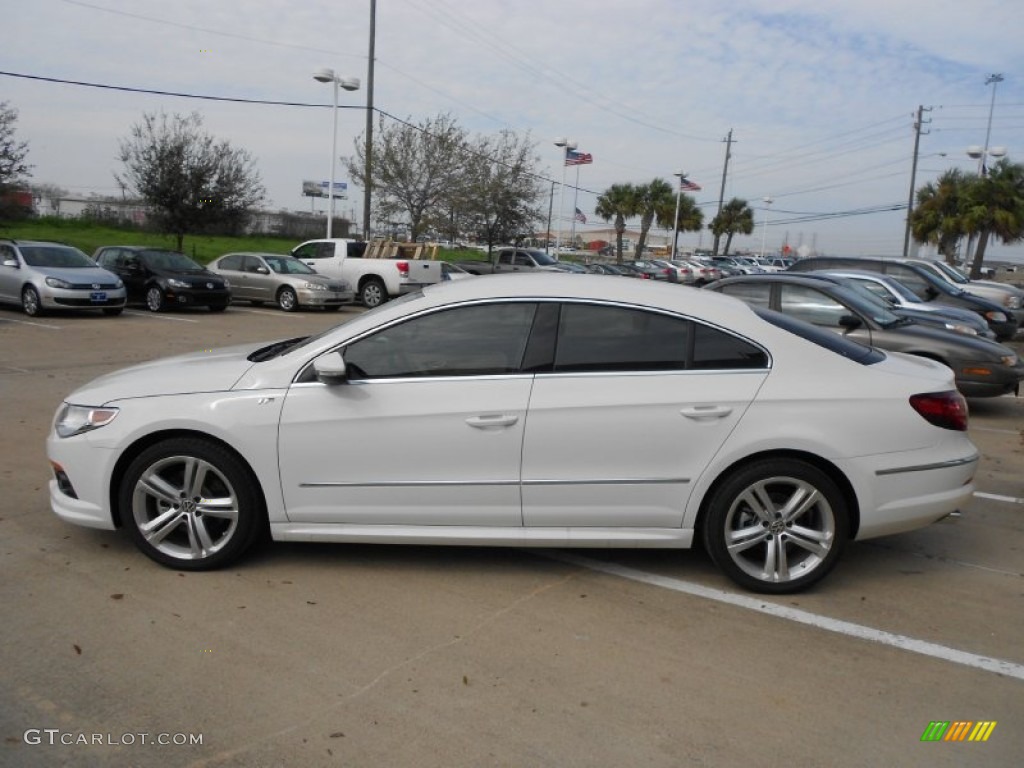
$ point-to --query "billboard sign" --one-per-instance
(319, 189)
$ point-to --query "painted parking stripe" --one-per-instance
(291, 315)
(996, 497)
(759, 605)
(996, 431)
(154, 316)
(29, 322)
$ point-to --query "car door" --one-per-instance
(427, 430)
(817, 307)
(10, 277)
(635, 406)
(230, 267)
(259, 281)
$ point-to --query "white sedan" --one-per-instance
(525, 410)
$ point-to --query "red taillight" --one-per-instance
(403, 268)
(943, 409)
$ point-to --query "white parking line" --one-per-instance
(922, 647)
(291, 315)
(995, 497)
(155, 316)
(29, 322)
(997, 431)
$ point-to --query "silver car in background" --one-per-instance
(283, 280)
(42, 276)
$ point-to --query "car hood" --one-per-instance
(917, 336)
(78, 275)
(211, 370)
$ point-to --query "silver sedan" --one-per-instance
(284, 280)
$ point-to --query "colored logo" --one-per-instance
(958, 730)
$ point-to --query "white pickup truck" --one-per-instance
(375, 280)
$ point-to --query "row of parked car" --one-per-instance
(41, 276)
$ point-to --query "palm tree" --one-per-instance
(691, 218)
(936, 219)
(650, 199)
(736, 216)
(994, 205)
(618, 202)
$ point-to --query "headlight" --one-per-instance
(996, 317)
(1013, 302)
(119, 283)
(1009, 360)
(56, 282)
(75, 419)
(175, 283)
(959, 328)
(316, 287)
(227, 283)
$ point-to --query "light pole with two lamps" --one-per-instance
(349, 84)
(567, 145)
(764, 225)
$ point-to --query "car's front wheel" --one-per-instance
(190, 504)
(776, 526)
(287, 300)
(154, 299)
(30, 303)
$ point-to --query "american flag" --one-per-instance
(689, 186)
(580, 216)
(572, 157)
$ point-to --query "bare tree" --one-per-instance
(13, 167)
(189, 179)
(415, 168)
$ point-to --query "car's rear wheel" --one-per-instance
(154, 299)
(190, 504)
(776, 526)
(373, 293)
(287, 300)
(30, 302)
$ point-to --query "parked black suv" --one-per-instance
(162, 279)
(923, 283)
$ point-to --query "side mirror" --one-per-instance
(263, 270)
(330, 368)
(930, 294)
(11, 263)
(850, 323)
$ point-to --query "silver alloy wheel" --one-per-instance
(373, 293)
(154, 299)
(287, 300)
(779, 529)
(185, 508)
(30, 301)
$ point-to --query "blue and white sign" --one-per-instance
(320, 189)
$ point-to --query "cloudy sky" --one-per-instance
(820, 95)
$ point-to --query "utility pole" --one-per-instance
(721, 193)
(367, 183)
(913, 174)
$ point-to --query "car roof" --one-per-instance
(783, 277)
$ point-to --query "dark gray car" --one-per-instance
(983, 368)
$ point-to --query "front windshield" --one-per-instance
(58, 256)
(288, 265)
(170, 260)
(545, 260)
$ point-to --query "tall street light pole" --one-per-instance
(764, 225)
(367, 187)
(980, 153)
(349, 84)
(567, 146)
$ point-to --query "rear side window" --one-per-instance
(910, 278)
(232, 262)
(756, 295)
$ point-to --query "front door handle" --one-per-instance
(488, 421)
(706, 412)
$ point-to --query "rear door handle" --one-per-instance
(492, 420)
(706, 412)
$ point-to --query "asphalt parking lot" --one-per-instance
(399, 656)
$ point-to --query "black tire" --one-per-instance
(154, 298)
(776, 507)
(113, 311)
(218, 307)
(207, 506)
(30, 303)
(287, 300)
(257, 303)
(333, 307)
(373, 293)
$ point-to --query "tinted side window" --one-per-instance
(810, 305)
(909, 278)
(715, 349)
(597, 338)
(757, 295)
(232, 262)
(307, 251)
(464, 341)
(504, 257)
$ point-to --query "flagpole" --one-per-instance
(575, 198)
(567, 146)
